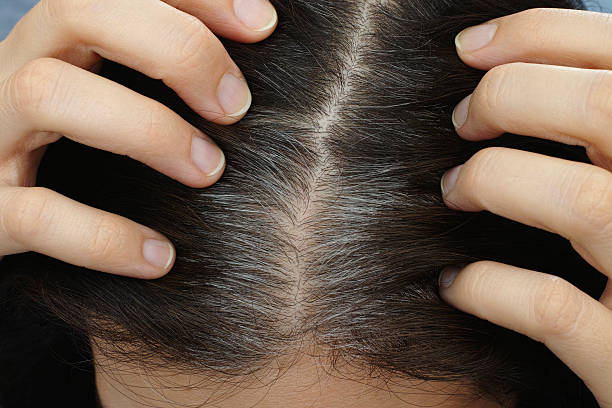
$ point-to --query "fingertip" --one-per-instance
(216, 174)
(460, 113)
(160, 255)
(238, 115)
(447, 276)
(468, 121)
(208, 158)
(269, 29)
(171, 258)
(475, 46)
(449, 179)
(234, 97)
(475, 38)
(467, 131)
(258, 16)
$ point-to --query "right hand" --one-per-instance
(48, 88)
(550, 77)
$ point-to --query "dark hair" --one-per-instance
(328, 224)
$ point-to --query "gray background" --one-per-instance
(12, 10)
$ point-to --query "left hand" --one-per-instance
(550, 77)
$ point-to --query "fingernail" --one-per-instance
(449, 179)
(447, 276)
(234, 95)
(158, 253)
(461, 112)
(258, 15)
(207, 155)
(475, 38)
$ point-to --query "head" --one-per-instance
(307, 277)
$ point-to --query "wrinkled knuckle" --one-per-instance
(34, 88)
(557, 307)
(27, 214)
(590, 203)
(494, 87)
(192, 45)
(107, 238)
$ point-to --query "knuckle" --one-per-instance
(590, 202)
(27, 214)
(193, 41)
(495, 86)
(107, 237)
(557, 307)
(35, 87)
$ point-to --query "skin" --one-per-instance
(49, 88)
(302, 380)
(550, 76)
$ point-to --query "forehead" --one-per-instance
(302, 382)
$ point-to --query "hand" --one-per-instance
(48, 89)
(570, 101)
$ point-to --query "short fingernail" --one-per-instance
(449, 179)
(207, 156)
(158, 253)
(234, 95)
(448, 275)
(461, 112)
(258, 15)
(475, 38)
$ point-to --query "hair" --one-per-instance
(327, 228)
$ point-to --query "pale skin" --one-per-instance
(550, 76)
(300, 379)
(49, 88)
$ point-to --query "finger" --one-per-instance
(245, 21)
(546, 308)
(543, 35)
(53, 96)
(565, 197)
(41, 220)
(146, 35)
(568, 105)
